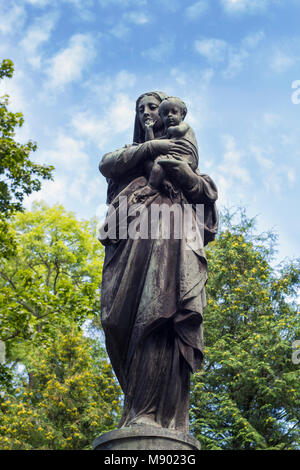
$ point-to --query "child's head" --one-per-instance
(172, 111)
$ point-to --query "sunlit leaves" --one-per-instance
(57, 388)
(70, 398)
(248, 395)
(19, 175)
(54, 276)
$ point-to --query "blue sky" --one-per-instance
(81, 64)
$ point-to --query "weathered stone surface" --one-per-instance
(145, 438)
(153, 287)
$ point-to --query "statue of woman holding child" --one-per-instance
(153, 288)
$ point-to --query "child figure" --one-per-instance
(172, 112)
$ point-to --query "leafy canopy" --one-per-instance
(247, 396)
(55, 274)
(57, 388)
(19, 175)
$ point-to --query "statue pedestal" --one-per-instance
(144, 437)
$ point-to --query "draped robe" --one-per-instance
(153, 296)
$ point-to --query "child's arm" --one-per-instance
(178, 131)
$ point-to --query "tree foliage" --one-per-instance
(19, 175)
(58, 390)
(65, 397)
(55, 274)
(247, 396)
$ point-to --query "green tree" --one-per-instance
(19, 175)
(55, 275)
(58, 389)
(65, 397)
(247, 395)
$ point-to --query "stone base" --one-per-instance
(144, 437)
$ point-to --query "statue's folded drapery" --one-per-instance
(153, 296)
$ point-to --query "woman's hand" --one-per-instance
(180, 172)
(150, 123)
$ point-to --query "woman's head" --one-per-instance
(147, 108)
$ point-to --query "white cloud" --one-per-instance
(68, 153)
(35, 36)
(120, 30)
(252, 40)
(271, 119)
(214, 50)
(52, 192)
(291, 175)
(17, 90)
(281, 61)
(67, 190)
(161, 50)
(120, 115)
(92, 188)
(247, 6)
(69, 64)
(237, 56)
(168, 5)
(137, 17)
(80, 4)
(12, 17)
(83, 7)
(43, 3)
(104, 87)
(274, 176)
(237, 5)
(38, 3)
(117, 118)
(101, 212)
(122, 3)
(264, 162)
(91, 126)
(232, 162)
(180, 76)
(13, 88)
(124, 80)
(71, 164)
(235, 62)
(284, 54)
(231, 175)
(217, 51)
(195, 11)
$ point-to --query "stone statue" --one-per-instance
(153, 289)
(172, 112)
